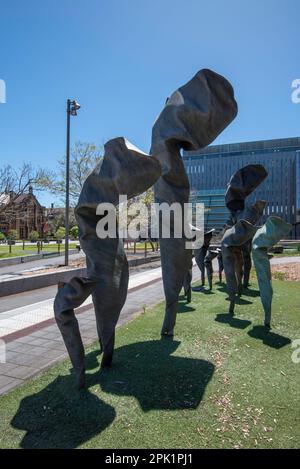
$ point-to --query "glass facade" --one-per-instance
(210, 169)
(215, 210)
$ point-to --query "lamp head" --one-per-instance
(74, 106)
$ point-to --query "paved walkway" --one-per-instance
(285, 260)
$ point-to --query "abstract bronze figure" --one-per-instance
(247, 262)
(234, 238)
(241, 226)
(200, 254)
(192, 118)
(187, 284)
(210, 256)
(123, 170)
(220, 264)
(243, 183)
(269, 234)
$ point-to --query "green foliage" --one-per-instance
(33, 236)
(74, 232)
(12, 234)
(278, 275)
(2, 236)
(60, 233)
(84, 157)
(298, 247)
(58, 220)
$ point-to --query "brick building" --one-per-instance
(23, 213)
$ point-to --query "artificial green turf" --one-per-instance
(221, 383)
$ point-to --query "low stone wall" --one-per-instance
(33, 282)
(32, 257)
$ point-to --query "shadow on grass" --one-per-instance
(59, 416)
(249, 292)
(184, 308)
(241, 301)
(232, 321)
(157, 379)
(204, 290)
(269, 338)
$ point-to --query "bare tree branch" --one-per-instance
(84, 157)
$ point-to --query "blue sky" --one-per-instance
(121, 59)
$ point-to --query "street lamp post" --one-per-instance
(72, 108)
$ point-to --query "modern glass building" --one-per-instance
(209, 171)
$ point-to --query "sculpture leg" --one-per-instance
(239, 270)
(68, 326)
(263, 272)
(109, 298)
(199, 258)
(70, 296)
(209, 271)
(187, 286)
(203, 277)
(230, 274)
(246, 269)
(176, 262)
(221, 267)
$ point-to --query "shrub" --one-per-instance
(33, 236)
(74, 232)
(2, 236)
(12, 234)
(60, 233)
(279, 275)
(298, 247)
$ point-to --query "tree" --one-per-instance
(2, 237)
(58, 219)
(74, 232)
(17, 181)
(83, 158)
(12, 235)
(60, 233)
(33, 236)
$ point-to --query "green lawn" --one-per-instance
(17, 250)
(288, 253)
(220, 383)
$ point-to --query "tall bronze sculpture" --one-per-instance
(210, 256)
(192, 118)
(201, 252)
(123, 170)
(269, 234)
(220, 264)
(232, 243)
(247, 263)
(241, 225)
(187, 283)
